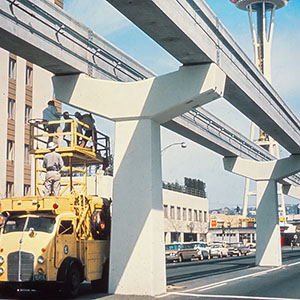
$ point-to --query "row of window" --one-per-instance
(10, 189)
(185, 214)
(10, 153)
(12, 72)
(11, 113)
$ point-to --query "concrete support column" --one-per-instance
(266, 175)
(137, 261)
(268, 248)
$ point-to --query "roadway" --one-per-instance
(222, 278)
(235, 278)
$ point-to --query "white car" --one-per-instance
(217, 250)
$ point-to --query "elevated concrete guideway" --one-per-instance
(213, 66)
(47, 36)
(193, 34)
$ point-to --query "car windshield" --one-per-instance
(15, 224)
(172, 247)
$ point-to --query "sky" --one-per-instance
(194, 161)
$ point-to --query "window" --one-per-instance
(195, 215)
(10, 155)
(9, 189)
(26, 155)
(200, 216)
(11, 109)
(205, 216)
(15, 224)
(28, 109)
(26, 189)
(166, 211)
(172, 212)
(12, 68)
(178, 213)
(28, 79)
(65, 227)
(184, 214)
(190, 214)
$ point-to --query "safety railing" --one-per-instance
(77, 158)
(70, 137)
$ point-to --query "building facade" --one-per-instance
(25, 90)
(185, 217)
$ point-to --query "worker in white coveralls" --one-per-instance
(53, 163)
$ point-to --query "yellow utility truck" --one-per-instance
(49, 241)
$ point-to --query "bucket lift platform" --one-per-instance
(76, 158)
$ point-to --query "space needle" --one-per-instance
(261, 16)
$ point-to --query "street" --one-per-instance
(221, 278)
(235, 278)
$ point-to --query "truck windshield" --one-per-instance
(43, 224)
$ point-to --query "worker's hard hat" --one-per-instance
(52, 145)
(65, 114)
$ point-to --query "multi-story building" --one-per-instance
(185, 217)
(25, 90)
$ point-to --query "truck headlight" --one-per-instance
(1, 271)
(1, 260)
(40, 259)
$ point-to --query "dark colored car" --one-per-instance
(237, 249)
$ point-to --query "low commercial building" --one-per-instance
(228, 229)
(232, 235)
(185, 209)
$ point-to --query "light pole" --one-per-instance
(182, 144)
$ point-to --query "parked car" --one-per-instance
(171, 252)
(251, 247)
(217, 250)
(180, 252)
(237, 249)
(203, 250)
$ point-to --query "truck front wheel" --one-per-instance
(72, 283)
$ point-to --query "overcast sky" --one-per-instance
(223, 188)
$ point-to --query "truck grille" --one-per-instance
(13, 260)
